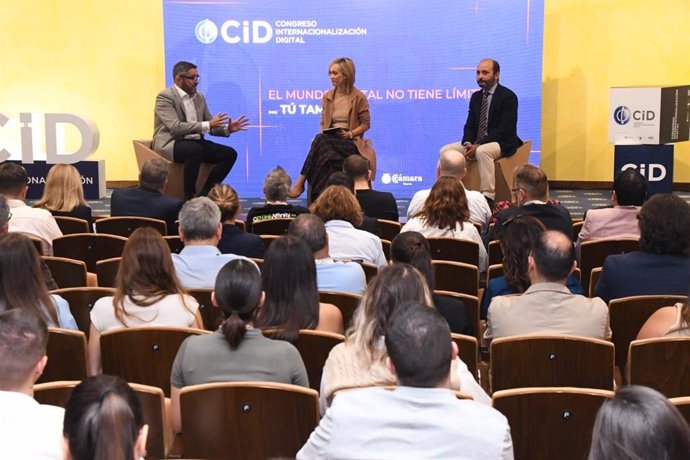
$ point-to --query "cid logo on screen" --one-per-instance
(622, 115)
(206, 31)
(654, 172)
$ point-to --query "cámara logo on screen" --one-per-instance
(206, 31)
(388, 178)
(621, 115)
(232, 31)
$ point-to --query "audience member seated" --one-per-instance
(340, 210)
(379, 205)
(27, 429)
(234, 240)
(361, 360)
(104, 420)
(445, 214)
(547, 306)
(276, 188)
(620, 219)
(32, 221)
(517, 238)
(639, 423)
(5, 216)
(292, 299)
(452, 163)
(63, 194)
(420, 417)
(331, 275)
(369, 224)
(146, 294)
(22, 284)
(531, 192)
(662, 266)
(149, 199)
(412, 248)
(668, 322)
(199, 262)
(236, 351)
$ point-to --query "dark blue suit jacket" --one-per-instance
(643, 273)
(142, 202)
(502, 127)
(236, 241)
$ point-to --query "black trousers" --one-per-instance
(193, 152)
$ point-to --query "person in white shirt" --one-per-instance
(36, 222)
(340, 210)
(421, 417)
(331, 275)
(27, 429)
(452, 163)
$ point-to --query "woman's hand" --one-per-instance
(345, 134)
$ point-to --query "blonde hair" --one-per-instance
(227, 199)
(347, 68)
(63, 190)
(393, 286)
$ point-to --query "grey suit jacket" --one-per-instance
(170, 122)
(408, 422)
(547, 308)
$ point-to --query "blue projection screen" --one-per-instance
(415, 62)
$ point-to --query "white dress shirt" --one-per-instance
(345, 242)
(480, 213)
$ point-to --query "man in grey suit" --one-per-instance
(181, 120)
(421, 417)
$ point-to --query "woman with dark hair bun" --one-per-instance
(236, 351)
(412, 248)
(104, 421)
(639, 423)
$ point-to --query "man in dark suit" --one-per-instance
(379, 205)
(181, 120)
(531, 192)
(491, 128)
(148, 200)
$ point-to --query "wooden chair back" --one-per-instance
(494, 271)
(152, 404)
(313, 347)
(211, 315)
(66, 356)
(71, 225)
(174, 243)
(125, 225)
(577, 227)
(144, 152)
(271, 227)
(81, 301)
(89, 247)
(594, 253)
(456, 277)
(370, 271)
(662, 364)
(106, 271)
(389, 229)
(144, 354)
(386, 245)
(593, 280)
(266, 420)
(551, 361)
(40, 245)
(471, 307)
(548, 423)
(66, 272)
(268, 239)
(683, 406)
(627, 315)
(495, 252)
(241, 225)
(346, 302)
(454, 250)
(468, 352)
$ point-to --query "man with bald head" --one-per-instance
(452, 163)
(547, 306)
